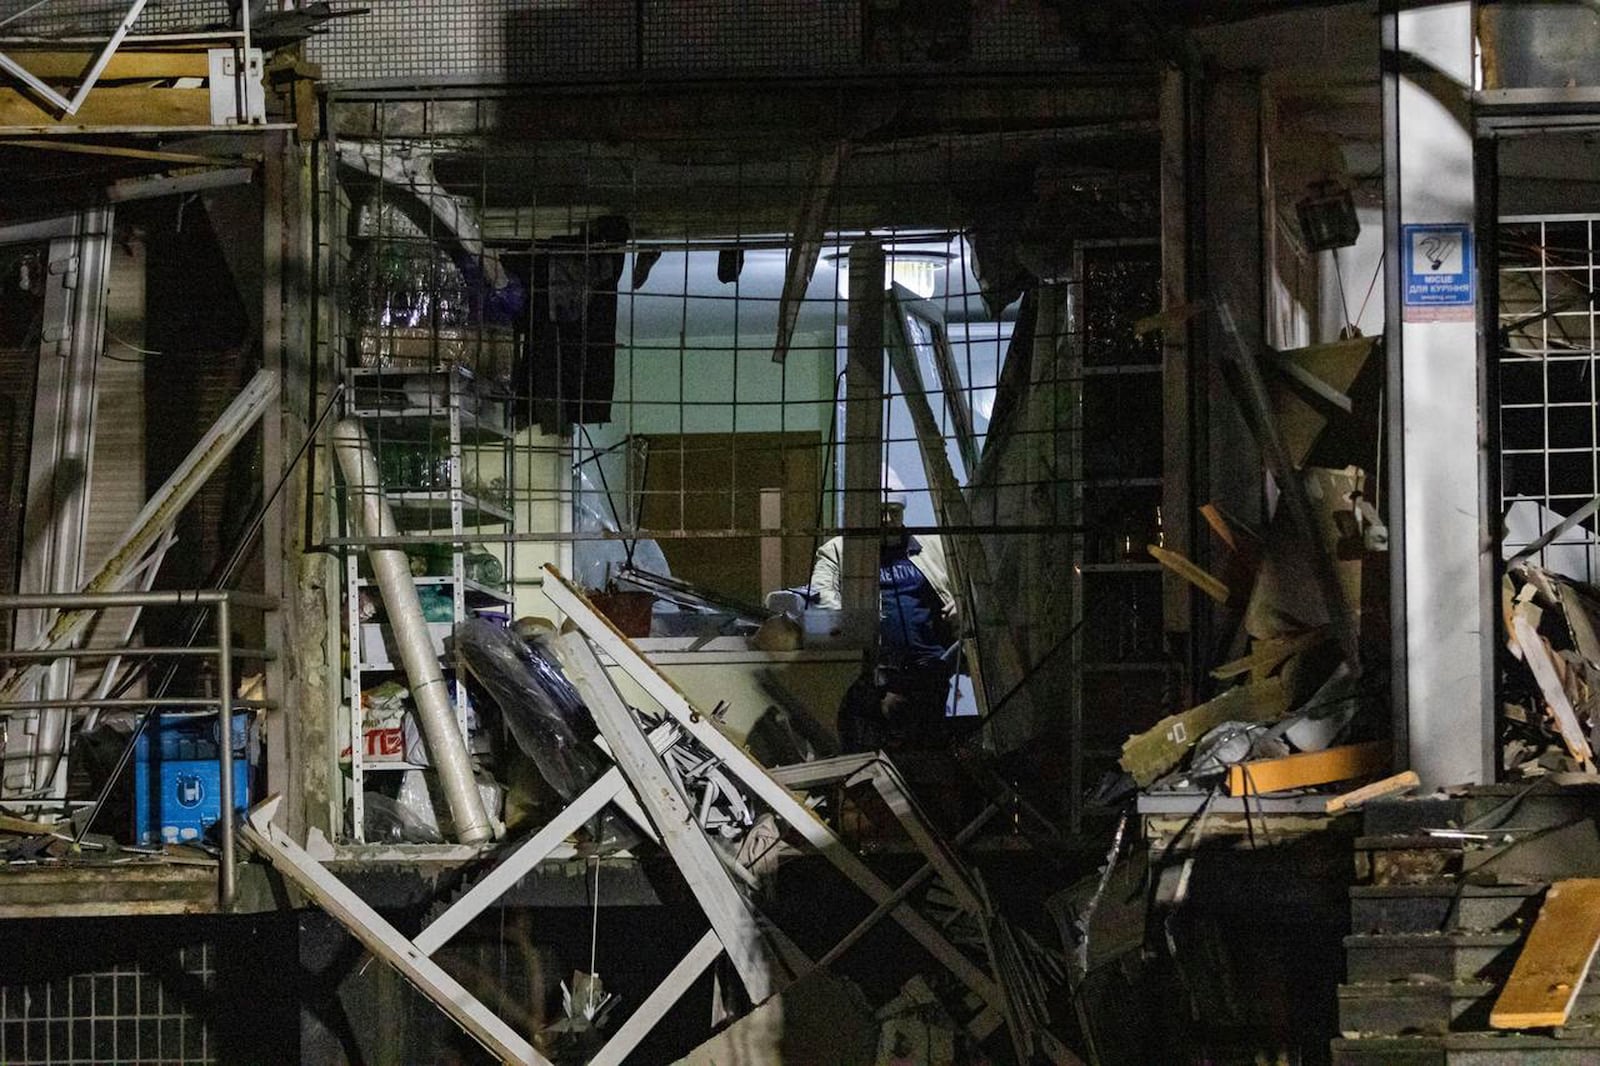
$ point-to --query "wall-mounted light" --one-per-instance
(1328, 217)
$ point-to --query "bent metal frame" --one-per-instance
(765, 961)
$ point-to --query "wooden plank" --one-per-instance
(1244, 378)
(1404, 781)
(674, 818)
(810, 231)
(654, 1007)
(1180, 564)
(111, 106)
(1267, 655)
(119, 151)
(1309, 768)
(125, 65)
(1152, 753)
(1555, 960)
(1541, 660)
(160, 512)
(1219, 525)
(1325, 372)
(514, 867)
(956, 401)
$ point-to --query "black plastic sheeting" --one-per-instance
(545, 714)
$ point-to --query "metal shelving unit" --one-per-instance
(1117, 494)
(464, 422)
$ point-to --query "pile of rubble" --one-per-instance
(1301, 613)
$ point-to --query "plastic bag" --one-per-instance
(388, 822)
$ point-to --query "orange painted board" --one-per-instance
(110, 106)
(1309, 768)
(125, 64)
(1555, 959)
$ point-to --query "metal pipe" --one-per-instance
(113, 667)
(160, 598)
(753, 533)
(241, 91)
(124, 703)
(26, 76)
(392, 570)
(225, 871)
(225, 577)
(135, 652)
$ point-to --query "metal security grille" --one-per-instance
(1545, 369)
(489, 41)
(71, 17)
(126, 1013)
(655, 432)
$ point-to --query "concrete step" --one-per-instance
(1377, 958)
(1440, 908)
(1407, 860)
(1514, 804)
(1411, 1008)
(1470, 1049)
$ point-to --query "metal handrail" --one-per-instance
(222, 602)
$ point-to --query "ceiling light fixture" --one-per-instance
(915, 270)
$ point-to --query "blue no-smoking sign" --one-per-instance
(1438, 272)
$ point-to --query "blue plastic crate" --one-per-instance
(177, 781)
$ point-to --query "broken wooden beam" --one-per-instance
(1308, 769)
(1251, 391)
(1170, 319)
(670, 812)
(1554, 961)
(966, 557)
(383, 939)
(1152, 753)
(1541, 660)
(1404, 781)
(1180, 564)
(1269, 654)
(810, 231)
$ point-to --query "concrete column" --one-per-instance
(1442, 577)
(863, 427)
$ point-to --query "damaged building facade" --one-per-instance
(799, 531)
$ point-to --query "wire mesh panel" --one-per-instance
(627, 291)
(482, 40)
(126, 1013)
(760, 35)
(490, 41)
(74, 17)
(1545, 377)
